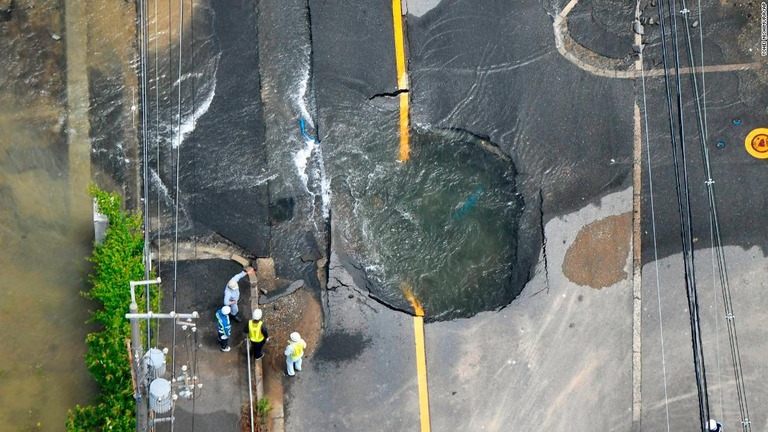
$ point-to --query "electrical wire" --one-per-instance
(684, 209)
(144, 138)
(157, 128)
(728, 305)
(145, 201)
(194, 237)
(176, 203)
(711, 216)
(145, 151)
(703, 82)
(195, 392)
(715, 316)
(144, 46)
(655, 243)
(717, 245)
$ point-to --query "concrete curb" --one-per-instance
(254, 286)
(265, 268)
(579, 55)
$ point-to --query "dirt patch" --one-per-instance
(598, 255)
(245, 424)
(299, 312)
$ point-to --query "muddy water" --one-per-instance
(42, 370)
(46, 229)
(45, 239)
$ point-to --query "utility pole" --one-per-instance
(141, 405)
(145, 365)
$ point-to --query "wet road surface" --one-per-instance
(561, 355)
(558, 357)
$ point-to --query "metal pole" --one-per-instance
(141, 407)
(147, 282)
(250, 386)
(171, 315)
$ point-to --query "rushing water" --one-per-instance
(442, 226)
(55, 101)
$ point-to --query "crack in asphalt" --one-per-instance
(543, 237)
(395, 93)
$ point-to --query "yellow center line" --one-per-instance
(421, 371)
(404, 154)
(405, 146)
(402, 81)
(421, 357)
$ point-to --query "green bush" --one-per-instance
(116, 262)
(263, 408)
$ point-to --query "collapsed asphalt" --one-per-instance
(495, 73)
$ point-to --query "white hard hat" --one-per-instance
(712, 425)
(226, 310)
(295, 337)
(232, 285)
(256, 314)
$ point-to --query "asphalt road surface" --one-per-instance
(553, 86)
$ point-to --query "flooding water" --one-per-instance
(45, 240)
(443, 226)
(46, 226)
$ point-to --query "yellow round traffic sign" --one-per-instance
(757, 143)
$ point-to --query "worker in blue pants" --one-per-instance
(223, 327)
(715, 426)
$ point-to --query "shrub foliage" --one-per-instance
(116, 262)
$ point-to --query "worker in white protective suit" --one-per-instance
(294, 353)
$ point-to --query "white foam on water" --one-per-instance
(325, 185)
(189, 123)
(160, 187)
(186, 76)
(304, 156)
(301, 161)
(299, 97)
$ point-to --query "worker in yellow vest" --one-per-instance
(294, 352)
(257, 333)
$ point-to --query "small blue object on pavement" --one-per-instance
(721, 144)
(736, 122)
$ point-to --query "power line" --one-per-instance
(684, 210)
(157, 127)
(144, 138)
(655, 243)
(703, 82)
(717, 245)
(194, 240)
(145, 150)
(176, 203)
(189, 387)
(716, 317)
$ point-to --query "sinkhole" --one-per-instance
(442, 228)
